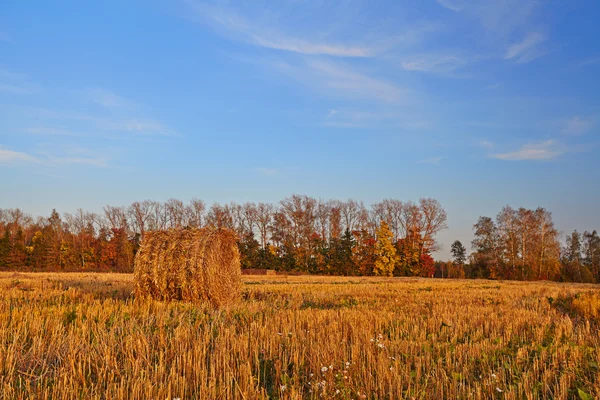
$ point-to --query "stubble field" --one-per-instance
(66, 336)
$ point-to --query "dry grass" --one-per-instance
(189, 264)
(67, 336)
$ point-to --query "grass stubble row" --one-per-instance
(66, 336)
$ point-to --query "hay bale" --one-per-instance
(189, 264)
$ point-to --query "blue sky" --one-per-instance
(478, 104)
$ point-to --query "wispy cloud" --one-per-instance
(108, 99)
(526, 50)
(354, 119)
(72, 156)
(374, 118)
(432, 160)
(90, 161)
(267, 171)
(450, 5)
(578, 125)
(346, 81)
(263, 35)
(486, 144)
(15, 83)
(547, 150)
(92, 123)
(45, 130)
(590, 61)
(440, 63)
(16, 89)
(492, 86)
(143, 126)
(304, 47)
(8, 156)
(498, 18)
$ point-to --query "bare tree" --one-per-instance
(220, 216)
(433, 221)
(508, 226)
(390, 211)
(195, 213)
(140, 214)
(176, 213)
(322, 218)
(116, 217)
(350, 211)
(264, 219)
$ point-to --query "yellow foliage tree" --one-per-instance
(385, 252)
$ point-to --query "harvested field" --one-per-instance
(86, 336)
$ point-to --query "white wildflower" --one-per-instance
(324, 369)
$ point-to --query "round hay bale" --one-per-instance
(189, 264)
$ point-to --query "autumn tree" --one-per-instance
(385, 252)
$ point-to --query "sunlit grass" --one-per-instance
(70, 336)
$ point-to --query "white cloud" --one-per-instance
(578, 125)
(345, 81)
(487, 144)
(15, 157)
(435, 62)
(108, 99)
(526, 50)
(304, 47)
(71, 156)
(450, 5)
(547, 150)
(499, 18)
(263, 35)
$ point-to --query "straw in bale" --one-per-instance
(189, 264)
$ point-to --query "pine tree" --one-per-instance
(385, 252)
(4, 248)
(459, 253)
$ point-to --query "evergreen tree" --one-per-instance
(459, 253)
(571, 258)
(385, 252)
(591, 253)
(249, 254)
(4, 249)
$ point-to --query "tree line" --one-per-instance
(524, 244)
(300, 233)
(304, 234)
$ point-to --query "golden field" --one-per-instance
(84, 336)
